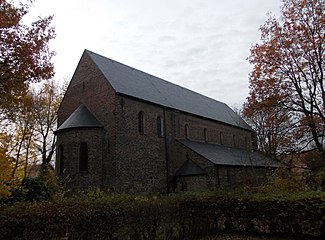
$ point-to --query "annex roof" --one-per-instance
(223, 155)
(80, 118)
(189, 168)
(135, 83)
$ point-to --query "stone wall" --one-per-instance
(202, 129)
(71, 141)
(90, 87)
(191, 183)
(140, 157)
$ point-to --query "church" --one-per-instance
(123, 130)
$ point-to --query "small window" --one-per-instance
(83, 157)
(186, 131)
(83, 85)
(205, 132)
(221, 137)
(160, 127)
(228, 176)
(234, 140)
(141, 122)
(61, 159)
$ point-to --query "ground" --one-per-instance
(242, 237)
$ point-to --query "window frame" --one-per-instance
(205, 134)
(141, 123)
(221, 138)
(160, 126)
(186, 131)
(83, 157)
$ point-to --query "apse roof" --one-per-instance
(80, 118)
(223, 155)
(135, 83)
(189, 168)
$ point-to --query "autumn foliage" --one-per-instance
(27, 114)
(24, 56)
(286, 104)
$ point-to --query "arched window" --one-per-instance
(205, 133)
(160, 127)
(221, 137)
(83, 157)
(61, 159)
(141, 122)
(186, 131)
(228, 176)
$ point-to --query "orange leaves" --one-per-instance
(288, 73)
(24, 54)
(286, 103)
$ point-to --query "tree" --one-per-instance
(288, 74)
(17, 136)
(46, 102)
(24, 56)
(272, 125)
(6, 170)
(26, 135)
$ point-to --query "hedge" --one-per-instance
(169, 217)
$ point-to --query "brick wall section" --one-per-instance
(218, 176)
(231, 136)
(141, 160)
(191, 183)
(71, 140)
(90, 87)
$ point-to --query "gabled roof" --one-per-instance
(189, 168)
(223, 155)
(80, 118)
(132, 82)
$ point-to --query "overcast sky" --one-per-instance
(198, 44)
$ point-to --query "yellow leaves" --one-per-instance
(5, 174)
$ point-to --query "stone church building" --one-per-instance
(125, 130)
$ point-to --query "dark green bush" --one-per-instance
(190, 216)
(31, 189)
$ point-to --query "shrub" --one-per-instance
(283, 180)
(31, 189)
(188, 216)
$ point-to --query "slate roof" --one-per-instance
(223, 155)
(189, 168)
(80, 118)
(135, 83)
